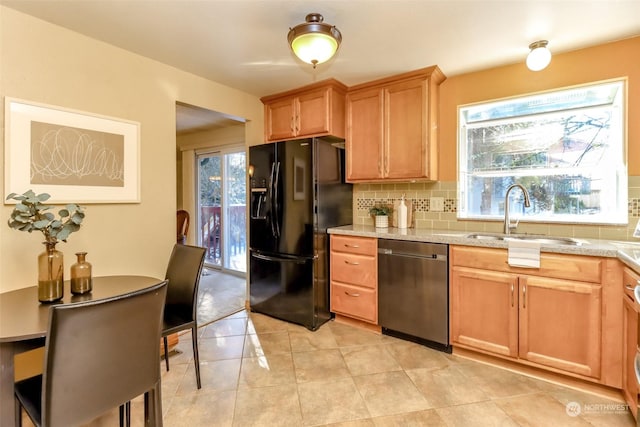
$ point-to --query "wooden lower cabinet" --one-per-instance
(560, 324)
(540, 321)
(630, 341)
(354, 277)
(484, 310)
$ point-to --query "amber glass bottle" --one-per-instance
(81, 282)
(50, 274)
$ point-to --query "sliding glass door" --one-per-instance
(222, 198)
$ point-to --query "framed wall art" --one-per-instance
(299, 174)
(74, 156)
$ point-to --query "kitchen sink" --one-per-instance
(482, 236)
(545, 240)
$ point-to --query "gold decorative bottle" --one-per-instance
(50, 274)
(81, 281)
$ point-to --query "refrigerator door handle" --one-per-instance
(279, 259)
(275, 199)
(271, 200)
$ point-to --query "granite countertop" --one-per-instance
(626, 251)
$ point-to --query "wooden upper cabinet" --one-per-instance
(279, 119)
(392, 128)
(313, 110)
(364, 145)
(406, 152)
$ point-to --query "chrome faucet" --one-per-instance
(507, 221)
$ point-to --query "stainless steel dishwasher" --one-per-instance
(413, 291)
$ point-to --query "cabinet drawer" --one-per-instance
(354, 245)
(569, 267)
(354, 269)
(354, 302)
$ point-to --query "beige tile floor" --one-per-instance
(259, 371)
(219, 295)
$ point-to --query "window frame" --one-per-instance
(620, 173)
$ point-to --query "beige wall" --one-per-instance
(602, 62)
(48, 64)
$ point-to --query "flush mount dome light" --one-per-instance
(314, 42)
(539, 57)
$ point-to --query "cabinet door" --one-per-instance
(560, 324)
(630, 348)
(364, 135)
(312, 117)
(484, 310)
(279, 119)
(405, 119)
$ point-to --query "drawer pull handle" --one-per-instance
(351, 295)
(351, 262)
(347, 245)
(629, 287)
(512, 295)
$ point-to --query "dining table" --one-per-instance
(24, 324)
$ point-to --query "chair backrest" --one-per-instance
(182, 226)
(101, 354)
(183, 274)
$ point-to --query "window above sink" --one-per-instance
(566, 147)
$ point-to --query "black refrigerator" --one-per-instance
(298, 190)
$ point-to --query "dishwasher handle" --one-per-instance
(427, 257)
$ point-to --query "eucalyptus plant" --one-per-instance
(32, 214)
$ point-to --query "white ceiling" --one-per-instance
(243, 43)
(192, 119)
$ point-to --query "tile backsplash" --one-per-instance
(367, 195)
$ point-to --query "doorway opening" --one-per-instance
(211, 186)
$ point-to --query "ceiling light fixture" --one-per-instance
(314, 42)
(540, 55)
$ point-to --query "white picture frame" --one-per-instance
(74, 156)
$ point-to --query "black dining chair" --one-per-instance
(98, 355)
(183, 274)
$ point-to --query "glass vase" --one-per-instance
(81, 281)
(50, 274)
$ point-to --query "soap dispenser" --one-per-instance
(402, 214)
